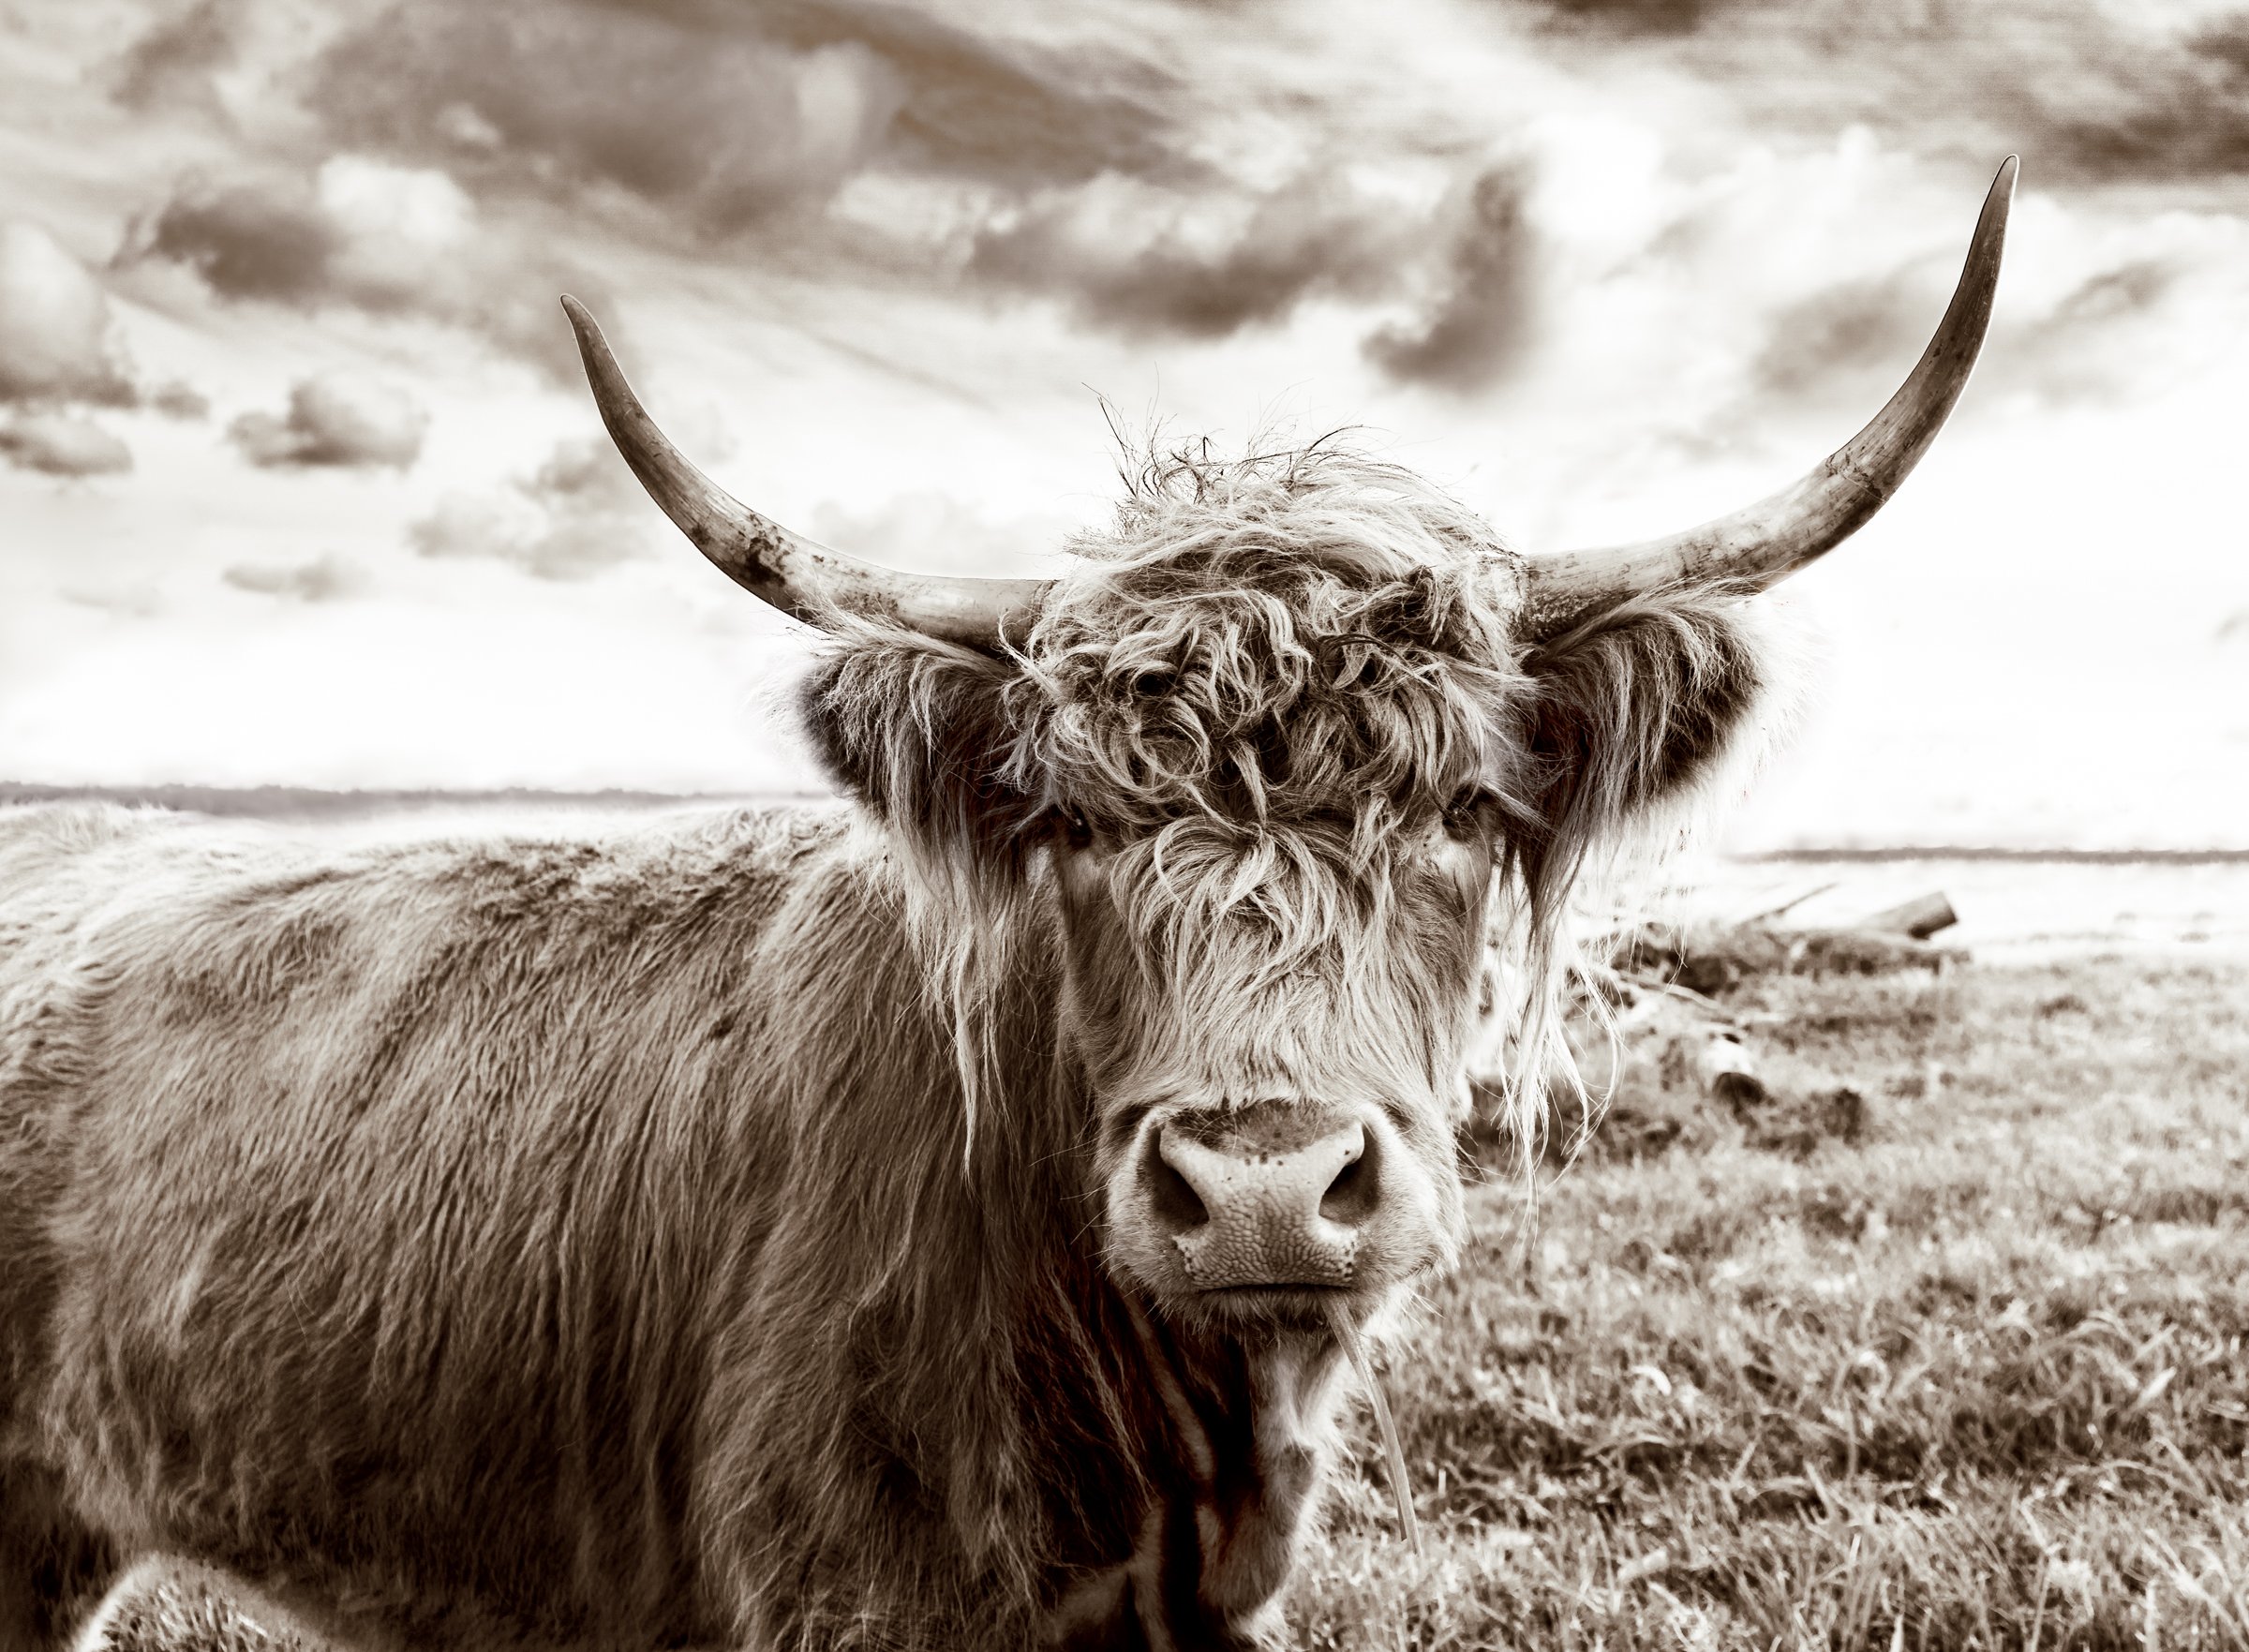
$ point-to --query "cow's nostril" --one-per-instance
(1351, 1197)
(1262, 1194)
(1172, 1198)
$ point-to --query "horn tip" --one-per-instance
(594, 350)
(589, 331)
(2003, 182)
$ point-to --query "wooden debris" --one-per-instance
(1920, 919)
(1714, 959)
(1655, 1000)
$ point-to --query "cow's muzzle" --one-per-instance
(1276, 1193)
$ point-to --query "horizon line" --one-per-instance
(314, 802)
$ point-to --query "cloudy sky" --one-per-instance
(298, 483)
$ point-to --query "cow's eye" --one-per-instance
(1075, 831)
(1464, 814)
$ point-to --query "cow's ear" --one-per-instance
(918, 731)
(1628, 714)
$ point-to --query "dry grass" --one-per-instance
(1972, 1377)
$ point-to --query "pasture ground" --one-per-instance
(1958, 1366)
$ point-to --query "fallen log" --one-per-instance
(1866, 952)
(1714, 959)
(1920, 917)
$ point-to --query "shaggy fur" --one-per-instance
(723, 1230)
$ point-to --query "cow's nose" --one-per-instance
(1273, 1194)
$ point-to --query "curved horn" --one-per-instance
(801, 577)
(1764, 543)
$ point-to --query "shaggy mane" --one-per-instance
(1255, 680)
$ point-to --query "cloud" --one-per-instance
(2102, 339)
(1479, 321)
(725, 116)
(171, 65)
(2092, 339)
(2129, 288)
(1144, 260)
(61, 445)
(270, 239)
(2169, 109)
(324, 579)
(579, 514)
(57, 338)
(1630, 17)
(177, 399)
(1821, 343)
(557, 94)
(366, 235)
(925, 529)
(1001, 111)
(2089, 93)
(337, 420)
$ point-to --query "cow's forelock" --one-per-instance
(1223, 965)
(1304, 640)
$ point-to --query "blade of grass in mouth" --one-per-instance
(1400, 1489)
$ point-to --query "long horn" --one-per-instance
(1764, 543)
(801, 577)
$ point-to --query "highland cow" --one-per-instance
(936, 1224)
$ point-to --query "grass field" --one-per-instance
(1959, 1367)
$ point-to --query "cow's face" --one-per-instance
(1272, 1030)
(1275, 767)
(1250, 789)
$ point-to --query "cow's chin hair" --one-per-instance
(1251, 1311)
(1254, 1315)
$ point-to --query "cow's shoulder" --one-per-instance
(60, 864)
(42, 840)
(225, 918)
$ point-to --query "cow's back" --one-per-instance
(373, 1198)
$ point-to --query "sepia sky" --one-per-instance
(299, 484)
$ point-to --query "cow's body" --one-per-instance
(566, 1236)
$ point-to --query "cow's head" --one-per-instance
(1252, 777)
